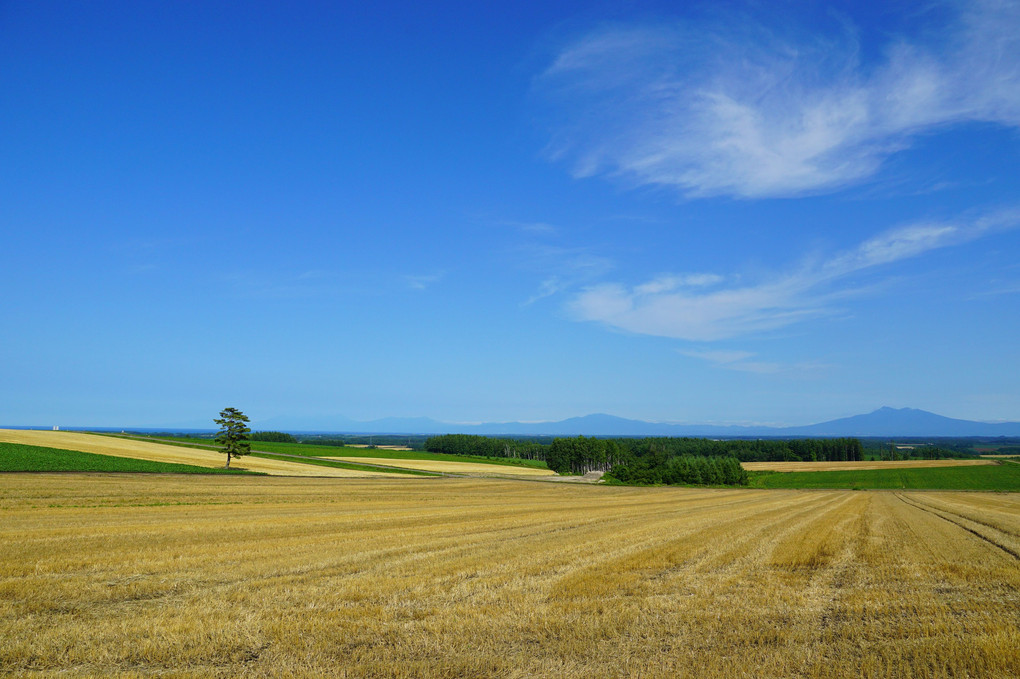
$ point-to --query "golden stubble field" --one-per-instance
(121, 575)
(161, 452)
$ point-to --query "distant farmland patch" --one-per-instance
(450, 467)
(998, 477)
(859, 465)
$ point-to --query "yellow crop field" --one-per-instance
(158, 452)
(134, 575)
(851, 465)
(476, 468)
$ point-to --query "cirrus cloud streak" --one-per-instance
(706, 308)
(750, 111)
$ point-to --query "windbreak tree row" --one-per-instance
(642, 464)
(754, 450)
(894, 452)
(272, 437)
(685, 470)
(653, 460)
(581, 455)
(485, 446)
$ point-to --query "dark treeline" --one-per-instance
(941, 446)
(757, 450)
(647, 461)
(686, 470)
(895, 451)
(412, 441)
(272, 437)
(653, 460)
(485, 446)
(581, 455)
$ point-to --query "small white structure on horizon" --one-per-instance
(56, 428)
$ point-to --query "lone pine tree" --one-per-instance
(233, 437)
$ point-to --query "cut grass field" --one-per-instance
(431, 465)
(994, 477)
(260, 577)
(856, 465)
(16, 457)
(339, 464)
(158, 452)
(388, 453)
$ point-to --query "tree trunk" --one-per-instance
(228, 461)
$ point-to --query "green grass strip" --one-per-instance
(180, 441)
(16, 457)
(1004, 477)
(312, 450)
(345, 465)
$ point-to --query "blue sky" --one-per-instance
(722, 212)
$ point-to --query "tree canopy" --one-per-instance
(233, 436)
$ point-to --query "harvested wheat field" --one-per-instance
(158, 452)
(855, 465)
(474, 468)
(124, 575)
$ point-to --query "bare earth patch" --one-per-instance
(590, 477)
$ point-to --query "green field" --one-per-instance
(343, 465)
(385, 454)
(16, 457)
(1005, 477)
(311, 450)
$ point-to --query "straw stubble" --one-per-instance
(130, 576)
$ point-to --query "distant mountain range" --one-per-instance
(882, 422)
(899, 422)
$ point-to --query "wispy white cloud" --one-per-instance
(316, 275)
(573, 266)
(741, 362)
(667, 283)
(276, 284)
(282, 284)
(547, 288)
(1009, 288)
(542, 228)
(718, 310)
(422, 282)
(720, 356)
(741, 110)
